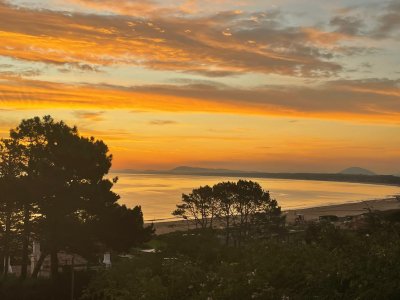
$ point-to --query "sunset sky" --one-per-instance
(289, 85)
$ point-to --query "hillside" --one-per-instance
(357, 171)
(195, 170)
(368, 177)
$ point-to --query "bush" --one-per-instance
(43, 288)
(332, 264)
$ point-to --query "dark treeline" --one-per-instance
(372, 179)
(53, 190)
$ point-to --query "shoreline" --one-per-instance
(388, 180)
(310, 214)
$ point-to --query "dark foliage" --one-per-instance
(55, 190)
(322, 263)
(242, 208)
(45, 289)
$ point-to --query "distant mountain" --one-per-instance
(133, 171)
(349, 175)
(195, 170)
(357, 171)
(184, 170)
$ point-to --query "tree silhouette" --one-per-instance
(242, 207)
(199, 205)
(66, 184)
(225, 193)
(10, 181)
(120, 228)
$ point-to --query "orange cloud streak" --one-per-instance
(332, 101)
(196, 45)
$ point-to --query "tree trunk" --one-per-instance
(7, 245)
(1, 264)
(25, 242)
(38, 265)
(54, 263)
(227, 231)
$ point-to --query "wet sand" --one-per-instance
(340, 210)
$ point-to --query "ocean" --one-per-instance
(158, 194)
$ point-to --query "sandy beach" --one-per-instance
(340, 210)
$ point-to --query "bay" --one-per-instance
(158, 194)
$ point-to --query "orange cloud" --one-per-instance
(324, 38)
(369, 100)
(90, 115)
(197, 45)
(133, 7)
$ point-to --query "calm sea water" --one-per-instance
(158, 194)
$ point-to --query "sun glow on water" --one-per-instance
(158, 194)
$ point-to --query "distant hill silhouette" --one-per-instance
(185, 170)
(195, 170)
(357, 171)
(353, 174)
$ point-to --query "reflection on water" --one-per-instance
(158, 194)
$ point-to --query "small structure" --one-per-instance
(359, 222)
(299, 219)
(107, 260)
(65, 260)
(35, 254)
(10, 269)
(328, 218)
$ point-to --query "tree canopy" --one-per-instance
(240, 207)
(69, 203)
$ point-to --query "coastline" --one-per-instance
(310, 214)
(389, 180)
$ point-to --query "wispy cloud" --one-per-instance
(380, 20)
(349, 25)
(95, 116)
(257, 42)
(389, 21)
(372, 100)
(125, 7)
(162, 122)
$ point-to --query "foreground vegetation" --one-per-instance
(321, 262)
(312, 261)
